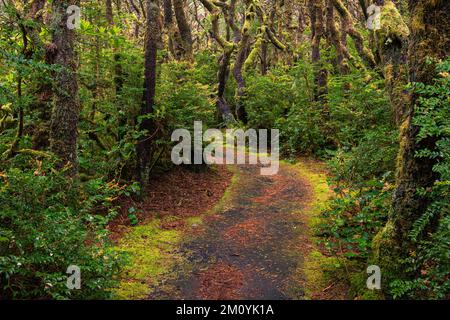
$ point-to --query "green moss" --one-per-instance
(150, 251)
(392, 25)
(358, 287)
(315, 266)
(131, 290)
(315, 174)
(384, 251)
(191, 221)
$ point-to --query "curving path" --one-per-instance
(251, 248)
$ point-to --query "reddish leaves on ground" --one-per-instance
(179, 193)
(247, 232)
(185, 193)
(220, 282)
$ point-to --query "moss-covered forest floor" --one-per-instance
(239, 235)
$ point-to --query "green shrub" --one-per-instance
(48, 222)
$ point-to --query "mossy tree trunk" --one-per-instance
(349, 28)
(65, 114)
(243, 51)
(391, 47)
(334, 36)
(109, 12)
(168, 26)
(184, 28)
(429, 39)
(224, 61)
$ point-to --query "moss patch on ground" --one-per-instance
(150, 250)
(316, 266)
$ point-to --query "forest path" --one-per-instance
(252, 247)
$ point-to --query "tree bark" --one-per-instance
(391, 44)
(239, 63)
(64, 119)
(334, 36)
(320, 73)
(109, 12)
(357, 37)
(227, 49)
(170, 28)
(429, 39)
(144, 146)
(184, 28)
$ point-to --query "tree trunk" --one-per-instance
(429, 28)
(357, 37)
(144, 146)
(227, 47)
(64, 120)
(222, 105)
(239, 63)
(184, 28)
(169, 27)
(335, 39)
(391, 43)
(320, 74)
(109, 12)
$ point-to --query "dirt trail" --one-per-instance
(249, 249)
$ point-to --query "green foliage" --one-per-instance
(353, 218)
(269, 98)
(362, 178)
(48, 222)
(431, 232)
(183, 97)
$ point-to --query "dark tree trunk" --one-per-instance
(264, 58)
(168, 25)
(64, 120)
(239, 63)
(144, 146)
(227, 47)
(320, 73)
(222, 105)
(109, 12)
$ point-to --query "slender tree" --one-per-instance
(144, 146)
(317, 28)
(64, 119)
